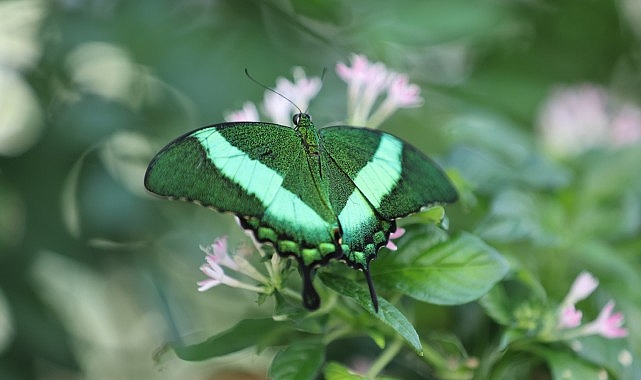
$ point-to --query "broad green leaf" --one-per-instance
(336, 371)
(387, 313)
(520, 287)
(433, 215)
(301, 360)
(613, 354)
(454, 272)
(496, 305)
(245, 333)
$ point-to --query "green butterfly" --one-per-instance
(315, 195)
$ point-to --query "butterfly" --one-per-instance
(314, 194)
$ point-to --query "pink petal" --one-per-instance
(214, 271)
(626, 126)
(355, 73)
(570, 318)
(220, 247)
(403, 93)
(394, 235)
(582, 287)
(247, 113)
(391, 246)
(607, 324)
(207, 284)
(400, 231)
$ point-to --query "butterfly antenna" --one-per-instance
(272, 90)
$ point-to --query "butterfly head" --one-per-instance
(302, 119)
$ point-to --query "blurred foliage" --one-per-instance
(96, 275)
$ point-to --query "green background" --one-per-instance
(96, 274)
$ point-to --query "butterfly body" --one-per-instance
(314, 195)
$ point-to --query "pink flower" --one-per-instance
(582, 287)
(575, 119)
(394, 235)
(607, 324)
(214, 272)
(366, 82)
(404, 94)
(626, 126)
(217, 254)
(217, 258)
(247, 113)
(570, 317)
(357, 73)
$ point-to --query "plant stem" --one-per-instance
(388, 354)
(336, 333)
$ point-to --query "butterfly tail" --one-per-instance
(311, 299)
(372, 291)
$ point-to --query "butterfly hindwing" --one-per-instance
(363, 231)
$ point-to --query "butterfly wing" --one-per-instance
(384, 179)
(395, 177)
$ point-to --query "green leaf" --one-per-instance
(432, 215)
(301, 360)
(387, 313)
(496, 305)
(454, 272)
(336, 371)
(519, 288)
(613, 354)
(565, 365)
(245, 333)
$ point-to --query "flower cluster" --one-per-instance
(607, 323)
(366, 83)
(218, 258)
(575, 119)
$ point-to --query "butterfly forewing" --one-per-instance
(260, 172)
(219, 166)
